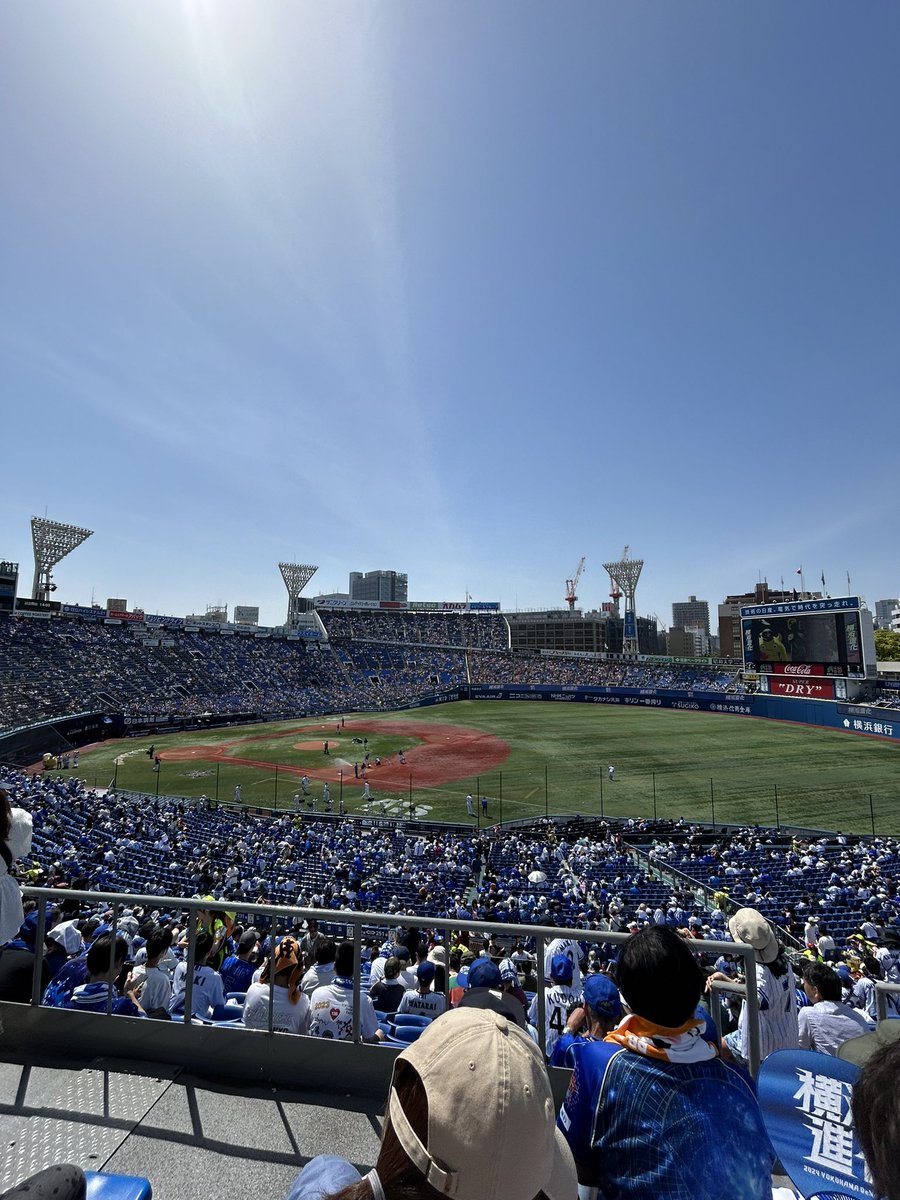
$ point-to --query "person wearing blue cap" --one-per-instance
(590, 1021)
(558, 1000)
(484, 989)
(422, 1001)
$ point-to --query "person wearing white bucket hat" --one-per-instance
(467, 1061)
(775, 984)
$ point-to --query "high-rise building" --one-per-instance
(9, 585)
(592, 632)
(691, 614)
(378, 585)
(687, 643)
(884, 610)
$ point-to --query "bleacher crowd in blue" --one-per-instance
(822, 914)
(370, 660)
(834, 900)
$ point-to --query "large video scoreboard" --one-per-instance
(805, 640)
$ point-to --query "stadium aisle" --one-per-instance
(186, 1135)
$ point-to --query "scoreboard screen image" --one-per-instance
(828, 639)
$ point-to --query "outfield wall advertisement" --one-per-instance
(852, 718)
(28, 744)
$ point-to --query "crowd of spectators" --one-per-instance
(457, 630)
(818, 890)
(107, 842)
(576, 876)
(53, 668)
(632, 1017)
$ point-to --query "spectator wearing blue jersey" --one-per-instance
(94, 996)
(652, 1111)
(590, 1021)
(238, 968)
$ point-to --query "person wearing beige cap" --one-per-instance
(775, 984)
(468, 1061)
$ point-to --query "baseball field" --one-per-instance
(527, 760)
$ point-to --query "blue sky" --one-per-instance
(463, 290)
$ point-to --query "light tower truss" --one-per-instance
(296, 576)
(626, 573)
(52, 541)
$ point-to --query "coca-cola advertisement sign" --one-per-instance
(806, 689)
(799, 669)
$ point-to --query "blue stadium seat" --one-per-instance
(227, 1012)
(407, 1033)
(409, 1019)
(101, 1186)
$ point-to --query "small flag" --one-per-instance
(799, 570)
(823, 579)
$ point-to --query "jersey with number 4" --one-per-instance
(570, 948)
(557, 998)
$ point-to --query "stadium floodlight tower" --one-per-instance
(296, 576)
(626, 573)
(52, 541)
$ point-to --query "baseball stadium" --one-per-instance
(395, 783)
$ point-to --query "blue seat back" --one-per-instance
(101, 1186)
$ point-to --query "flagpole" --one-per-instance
(802, 586)
(849, 589)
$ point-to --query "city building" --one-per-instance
(687, 643)
(9, 585)
(591, 633)
(691, 614)
(884, 612)
(378, 585)
(216, 614)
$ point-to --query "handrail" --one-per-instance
(883, 989)
(355, 921)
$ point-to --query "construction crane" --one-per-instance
(572, 586)
(615, 592)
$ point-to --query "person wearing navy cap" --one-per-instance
(590, 1021)
(484, 989)
(558, 1000)
(422, 1001)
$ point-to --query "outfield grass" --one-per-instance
(671, 763)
